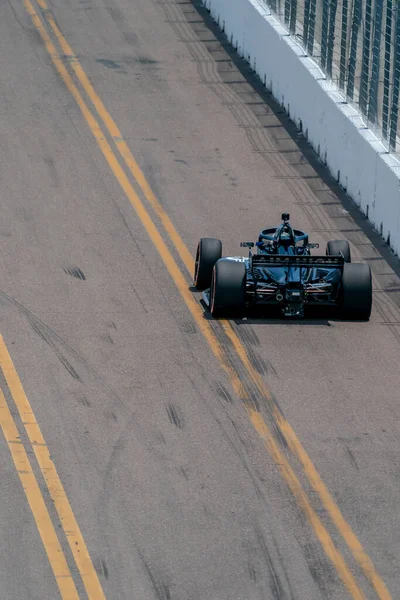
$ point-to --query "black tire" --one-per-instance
(336, 247)
(228, 288)
(209, 250)
(356, 291)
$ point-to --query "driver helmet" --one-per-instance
(285, 236)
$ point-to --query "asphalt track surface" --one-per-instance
(148, 451)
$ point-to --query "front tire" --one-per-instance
(228, 288)
(336, 247)
(209, 250)
(356, 291)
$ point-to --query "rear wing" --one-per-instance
(287, 260)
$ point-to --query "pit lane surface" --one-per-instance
(173, 490)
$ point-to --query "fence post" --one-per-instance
(287, 12)
(376, 57)
(394, 113)
(311, 27)
(356, 19)
(324, 32)
(365, 58)
(293, 16)
(343, 45)
(386, 68)
(306, 22)
(331, 35)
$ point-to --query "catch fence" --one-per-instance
(357, 44)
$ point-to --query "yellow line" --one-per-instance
(119, 141)
(301, 497)
(312, 474)
(37, 504)
(180, 280)
(346, 531)
(55, 487)
(344, 528)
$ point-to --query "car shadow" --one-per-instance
(322, 317)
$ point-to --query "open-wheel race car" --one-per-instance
(281, 272)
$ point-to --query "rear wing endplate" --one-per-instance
(285, 260)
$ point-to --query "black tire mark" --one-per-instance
(57, 338)
(84, 401)
(223, 393)
(255, 397)
(117, 16)
(252, 572)
(75, 272)
(105, 568)
(183, 472)
(253, 478)
(101, 567)
(49, 161)
(41, 331)
(109, 414)
(352, 458)
(249, 336)
(321, 570)
(267, 140)
(189, 327)
(275, 583)
(175, 415)
(161, 589)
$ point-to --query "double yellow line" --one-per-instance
(33, 494)
(181, 282)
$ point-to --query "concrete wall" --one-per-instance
(336, 130)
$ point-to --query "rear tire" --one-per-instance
(356, 291)
(209, 250)
(336, 247)
(228, 288)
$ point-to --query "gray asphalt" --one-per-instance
(173, 490)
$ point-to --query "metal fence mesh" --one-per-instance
(357, 44)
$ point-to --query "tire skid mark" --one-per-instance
(50, 340)
(386, 308)
(251, 342)
(260, 365)
(173, 13)
(199, 52)
(254, 397)
(352, 458)
(321, 570)
(101, 567)
(262, 552)
(266, 144)
(175, 415)
(117, 16)
(276, 585)
(161, 589)
(390, 317)
(223, 393)
(60, 341)
(235, 447)
(249, 336)
(75, 272)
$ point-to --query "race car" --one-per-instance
(281, 272)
